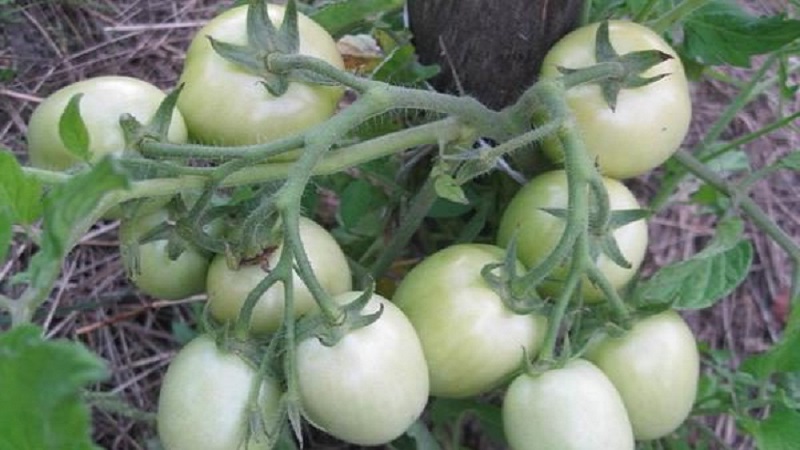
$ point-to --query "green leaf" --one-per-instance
(782, 357)
(72, 129)
(343, 16)
(705, 278)
(358, 201)
(41, 382)
(444, 412)
(791, 161)
(401, 67)
(20, 194)
(5, 233)
(64, 208)
(779, 431)
(447, 188)
(721, 32)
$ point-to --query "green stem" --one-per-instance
(281, 63)
(612, 296)
(642, 15)
(170, 150)
(412, 218)
(749, 207)
(676, 14)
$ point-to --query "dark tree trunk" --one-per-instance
(494, 47)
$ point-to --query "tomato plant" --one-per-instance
(655, 367)
(647, 124)
(369, 387)
(224, 104)
(472, 341)
(538, 231)
(573, 407)
(150, 267)
(204, 401)
(227, 289)
(104, 100)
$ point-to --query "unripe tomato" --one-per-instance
(227, 289)
(572, 408)
(655, 367)
(472, 341)
(649, 122)
(204, 398)
(224, 104)
(369, 387)
(104, 100)
(538, 232)
(152, 270)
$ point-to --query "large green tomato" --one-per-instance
(655, 367)
(648, 123)
(227, 289)
(472, 342)
(151, 268)
(204, 398)
(104, 100)
(572, 408)
(224, 104)
(538, 231)
(369, 387)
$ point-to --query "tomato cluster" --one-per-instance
(448, 331)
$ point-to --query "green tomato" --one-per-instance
(369, 387)
(472, 342)
(655, 367)
(227, 289)
(104, 100)
(649, 122)
(224, 104)
(203, 403)
(150, 267)
(572, 408)
(538, 232)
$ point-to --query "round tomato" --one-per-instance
(655, 367)
(648, 123)
(472, 342)
(203, 403)
(574, 407)
(224, 104)
(227, 289)
(104, 100)
(152, 270)
(369, 387)
(538, 231)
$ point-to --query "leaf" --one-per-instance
(5, 233)
(41, 382)
(791, 161)
(721, 32)
(340, 17)
(445, 412)
(72, 129)
(400, 66)
(705, 278)
(782, 357)
(447, 188)
(779, 431)
(19, 194)
(358, 201)
(64, 208)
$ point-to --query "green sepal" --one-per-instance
(72, 129)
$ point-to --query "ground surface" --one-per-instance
(45, 45)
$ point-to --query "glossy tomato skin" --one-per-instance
(369, 387)
(648, 124)
(104, 100)
(472, 342)
(225, 105)
(203, 400)
(538, 232)
(655, 367)
(227, 289)
(152, 270)
(572, 408)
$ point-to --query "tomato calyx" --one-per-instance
(628, 70)
(517, 295)
(351, 319)
(264, 41)
(156, 130)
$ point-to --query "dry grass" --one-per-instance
(48, 44)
